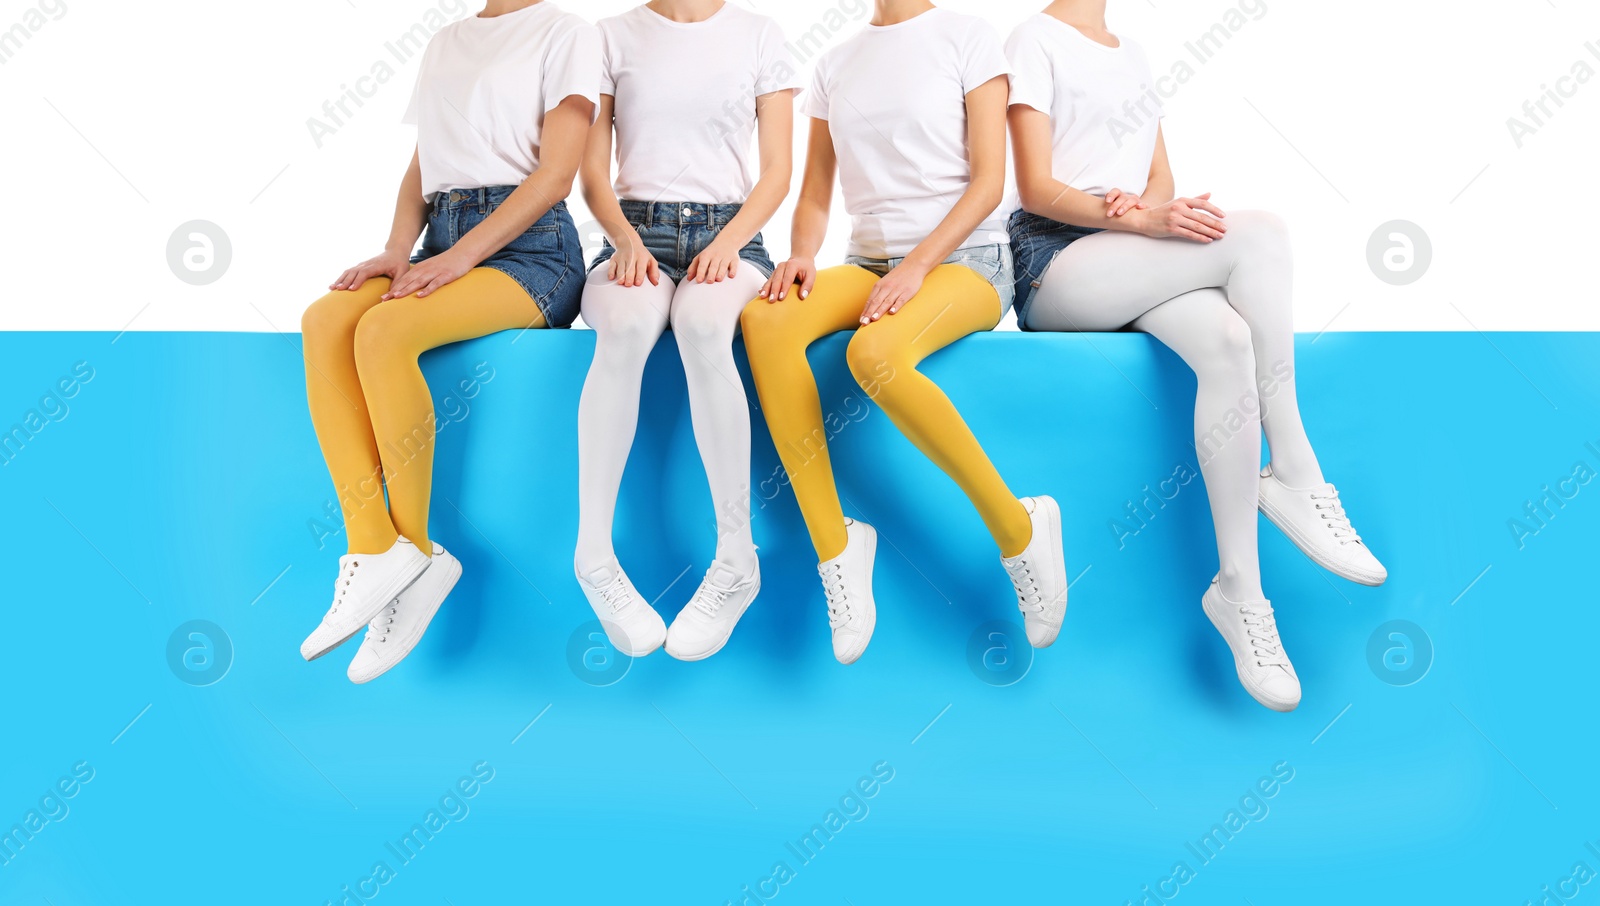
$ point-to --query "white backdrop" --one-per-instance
(124, 121)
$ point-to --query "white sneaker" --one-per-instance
(1039, 574)
(367, 583)
(705, 623)
(847, 581)
(1315, 521)
(1251, 631)
(399, 627)
(632, 625)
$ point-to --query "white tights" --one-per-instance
(1225, 309)
(627, 321)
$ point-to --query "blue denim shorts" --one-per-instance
(676, 231)
(991, 262)
(546, 260)
(1035, 243)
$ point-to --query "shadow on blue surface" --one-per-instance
(513, 757)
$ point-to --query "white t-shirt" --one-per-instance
(686, 100)
(1104, 113)
(894, 97)
(483, 90)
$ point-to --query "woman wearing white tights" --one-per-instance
(1103, 244)
(686, 85)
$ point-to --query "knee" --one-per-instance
(1231, 351)
(332, 319)
(631, 327)
(381, 332)
(1261, 232)
(700, 323)
(875, 358)
(762, 322)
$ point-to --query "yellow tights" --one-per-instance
(370, 404)
(953, 302)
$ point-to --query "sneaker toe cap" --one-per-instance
(319, 642)
(366, 666)
(849, 645)
(637, 637)
(690, 640)
(1280, 692)
(1365, 566)
(1042, 634)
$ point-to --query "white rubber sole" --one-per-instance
(452, 574)
(850, 656)
(1058, 547)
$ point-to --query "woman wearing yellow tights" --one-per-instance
(910, 113)
(503, 104)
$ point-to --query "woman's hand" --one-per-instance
(892, 292)
(1195, 219)
(1119, 202)
(436, 272)
(799, 269)
(719, 261)
(632, 264)
(392, 264)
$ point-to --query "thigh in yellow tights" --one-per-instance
(370, 404)
(953, 302)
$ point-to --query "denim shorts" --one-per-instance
(1035, 243)
(991, 262)
(676, 231)
(546, 260)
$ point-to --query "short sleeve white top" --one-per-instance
(1104, 114)
(894, 97)
(685, 93)
(484, 87)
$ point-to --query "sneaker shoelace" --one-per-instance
(616, 594)
(342, 584)
(1333, 514)
(1029, 598)
(833, 587)
(709, 597)
(378, 629)
(1261, 627)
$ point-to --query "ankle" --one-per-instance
(1240, 586)
(1297, 472)
(586, 562)
(741, 558)
(1014, 541)
(371, 545)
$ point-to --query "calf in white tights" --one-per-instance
(681, 132)
(1103, 244)
(627, 321)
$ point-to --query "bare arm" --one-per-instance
(1041, 193)
(1156, 213)
(410, 215)
(1160, 190)
(986, 141)
(810, 225)
(631, 264)
(566, 128)
(775, 135)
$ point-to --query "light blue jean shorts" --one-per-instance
(991, 262)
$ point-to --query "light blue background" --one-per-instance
(182, 483)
